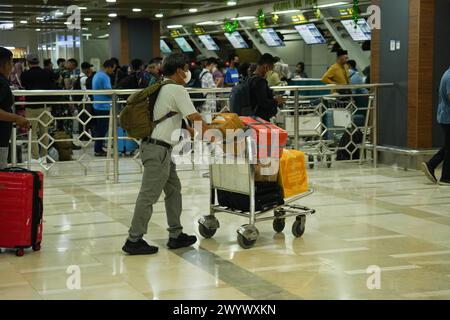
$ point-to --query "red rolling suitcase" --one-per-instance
(21, 209)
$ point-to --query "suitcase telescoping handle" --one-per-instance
(15, 169)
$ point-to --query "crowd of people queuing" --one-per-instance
(205, 72)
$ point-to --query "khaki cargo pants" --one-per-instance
(159, 175)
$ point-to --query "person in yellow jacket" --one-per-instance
(338, 73)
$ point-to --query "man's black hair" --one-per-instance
(72, 60)
(5, 56)
(108, 63)
(352, 64)
(266, 58)
(136, 64)
(47, 62)
(174, 62)
(115, 61)
(60, 60)
(211, 61)
(341, 52)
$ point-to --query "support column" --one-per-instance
(134, 39)
(420, 73)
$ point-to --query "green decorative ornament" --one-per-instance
(356, 12)
(230, 26)
(261, 18)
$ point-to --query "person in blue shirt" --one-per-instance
(102, 81)
(355, 77)
(232, 73)
(443, 116)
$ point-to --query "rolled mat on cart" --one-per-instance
(293, 177)
(265, 134)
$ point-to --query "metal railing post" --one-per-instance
(296, 122)
(115, 139)
(14, 146)
(375, 127)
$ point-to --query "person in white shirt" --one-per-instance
(206, 77)
(156, 154)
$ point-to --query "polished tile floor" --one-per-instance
(384, 217)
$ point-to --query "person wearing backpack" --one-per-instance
(171, 105)
(134, 79)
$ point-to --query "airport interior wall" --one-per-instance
(393, 102)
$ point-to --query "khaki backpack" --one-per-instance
(137, 117)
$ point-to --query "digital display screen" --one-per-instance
(271, 37)
(310, 34)
(209, 42)
(164, 47)
(361, 32)
(183, 44)
(236, 40)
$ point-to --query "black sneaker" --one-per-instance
(182, 241)
(444, 183)
(429, 173)
(139, 247)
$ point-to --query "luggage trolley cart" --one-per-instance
(240, 178)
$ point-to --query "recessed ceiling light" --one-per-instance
(104, 36)
(38, 29)
(175, 26)
(137, 10)
(112, 15)
(231, 3)
(67, 22)
(82, 8)
(109, 23)
(159, 15)
(208, 23)
(286, 11)
(334, 4)
(87, 19)
(58, 13)
(23, 21)
(244, 18)
(193, 10)
(40, 18)
(111, 1)
(84, 28)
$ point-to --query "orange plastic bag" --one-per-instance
(292, 176)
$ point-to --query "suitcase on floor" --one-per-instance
(267, 195)
(21, 209)
(124, 145)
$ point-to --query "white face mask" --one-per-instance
(188, 77)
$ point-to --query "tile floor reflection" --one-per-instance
(386, 217)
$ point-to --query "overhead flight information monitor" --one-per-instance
(361, 32)
(183, 44)
(209, 42)
(164, 47)
(310, 34)
(271, 37)
(236, 40)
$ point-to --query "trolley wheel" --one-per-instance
(244, 242)
(311, 162)
(278, 225)
(206, 232)
(20, 252)
(37, 246)
(329, 162)
(298, 228)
